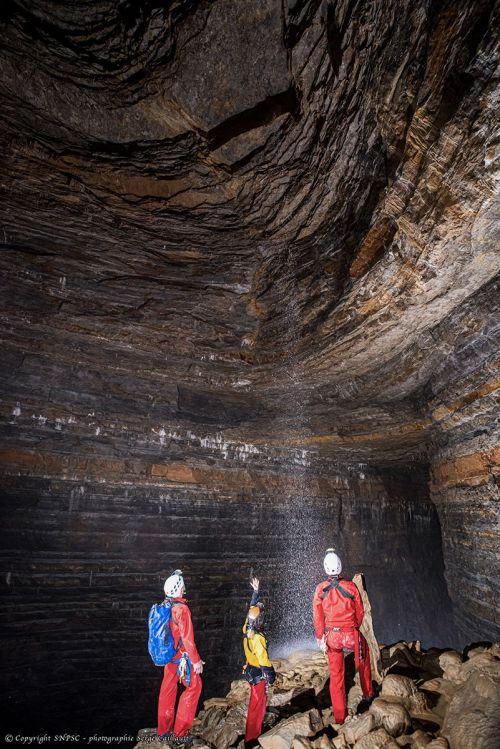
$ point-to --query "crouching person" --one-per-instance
(258, 669)
(183, 666)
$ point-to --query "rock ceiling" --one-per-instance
(249, 308)
(289, 211)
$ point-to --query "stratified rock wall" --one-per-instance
(466, 465)
(86, 557)
(248, 272)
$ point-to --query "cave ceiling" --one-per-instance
(289, 211)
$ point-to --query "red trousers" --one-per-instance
(336, 641)
(256, 710)
(188, 702)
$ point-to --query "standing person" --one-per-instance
(258, 669)
(185, 668)
(338, 613)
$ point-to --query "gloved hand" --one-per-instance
(322, 644)
(198, 667)
(254, 582)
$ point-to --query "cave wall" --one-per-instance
(111, 480)
(84, 559)
(259, 296)
(465, 463)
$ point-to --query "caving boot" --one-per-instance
(367, 701)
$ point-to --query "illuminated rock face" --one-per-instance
(249, 310)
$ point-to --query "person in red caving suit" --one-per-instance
(186, 667)
(338, 613)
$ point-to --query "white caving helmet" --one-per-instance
(332, 563)
(174, 584)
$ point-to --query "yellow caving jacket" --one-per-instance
(257, 666)
(256, 649)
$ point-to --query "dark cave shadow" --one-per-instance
(480, 644)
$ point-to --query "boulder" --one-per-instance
(495, 649)
(208, 720)
(473, 715)
(283, 733)
(221, 727)
(327, 716)
(340, 742)
(411, 656)
(451, 663)
(378, 739)
(354, 697)
(307, 669)
(239, 692)
(420, 739)
(393, 716)
(485, 662)
(405, 690)
(394, 685)
(476, 651)
(301, 742)
(439, 686)
(221, 702)
(280, 697)
(358, 727)
(323, 742)
(419, 705)
(417, 740)
(440, 743)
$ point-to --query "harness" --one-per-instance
(184, 664)
(336, 584)
(253, 674)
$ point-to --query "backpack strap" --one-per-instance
(336, 584)
(172, 604)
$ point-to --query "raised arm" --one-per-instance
(254, 582)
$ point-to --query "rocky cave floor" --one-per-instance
(438, 699)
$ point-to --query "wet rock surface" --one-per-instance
(300, 718)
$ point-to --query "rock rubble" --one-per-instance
(427, 698)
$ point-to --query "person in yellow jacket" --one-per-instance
(258, 669)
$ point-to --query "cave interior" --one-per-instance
(249, 311)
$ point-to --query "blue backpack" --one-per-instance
(161, 642)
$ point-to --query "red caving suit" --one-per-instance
(181, 626)
(339, 618)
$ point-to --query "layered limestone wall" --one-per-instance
(247, 311)
(85, 558)
(465, 464)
